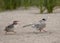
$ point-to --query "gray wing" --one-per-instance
(41, 25)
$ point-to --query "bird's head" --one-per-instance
(15, 22)
(44, 19)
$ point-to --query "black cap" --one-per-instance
(15, 21)
(44, 19)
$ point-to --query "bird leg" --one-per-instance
(14, 31)
(40, 30)
(5, 33)
(44, 30)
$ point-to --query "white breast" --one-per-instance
(15, 26)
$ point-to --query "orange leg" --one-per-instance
(14, 31)
(44, 30)
(5, 33)
(40, 30)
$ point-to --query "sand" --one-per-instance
(29, 34)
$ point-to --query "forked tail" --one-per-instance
(27, 25)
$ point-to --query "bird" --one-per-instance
(10, 28)
(40, 26)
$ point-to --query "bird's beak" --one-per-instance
(18, 21)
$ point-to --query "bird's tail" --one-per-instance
(27, 25)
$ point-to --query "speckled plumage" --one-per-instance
(10, 28)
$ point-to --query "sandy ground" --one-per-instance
(29, 34)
